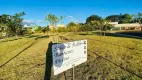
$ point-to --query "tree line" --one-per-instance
(95, 22)
(11, 24)
(14, 25)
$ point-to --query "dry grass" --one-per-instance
(117, 59)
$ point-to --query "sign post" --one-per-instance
(73, 73)
(68, 55)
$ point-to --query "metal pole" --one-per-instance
(73, 73)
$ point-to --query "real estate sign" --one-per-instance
(68, 55)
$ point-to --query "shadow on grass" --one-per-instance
(87, 33)
(36, 36)
(10, 40)
(31, 36)
(114, 35)
(120, 66)
(17, 54)
(49, 62)
(122, 35)
(36, 40)
(57, 63)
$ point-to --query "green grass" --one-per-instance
(117, 59)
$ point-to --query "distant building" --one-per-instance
(59, 25)
(127, 26)
(113, 23)
(25, 25)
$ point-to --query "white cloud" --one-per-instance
(40, 21)
(32, 22)
(71, 18)
(28, 21)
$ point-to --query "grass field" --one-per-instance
(111, 58)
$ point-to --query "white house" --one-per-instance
(126, 26)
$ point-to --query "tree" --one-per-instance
(126, 18)
(138, 18)
(39, 29)
(53, 20)
(92, 18)
(47, 29)
(113, 18)
(71, 26)
(86, 28)
(15, 23)
(96, 25)
(62, 29)
(4, 18)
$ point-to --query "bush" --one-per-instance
(62, 29)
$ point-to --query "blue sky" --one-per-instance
(76, 10)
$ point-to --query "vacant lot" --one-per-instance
(111, 58)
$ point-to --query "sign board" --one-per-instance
(68, 55)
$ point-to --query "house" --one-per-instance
(127, 26)
(59, 25)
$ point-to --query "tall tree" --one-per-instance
(92, 18)
(86, 27)
(15, 23)
(126, 18)
(113, 18)
(4, 18)
(71, 27)
(139, 20)
(121, 18)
